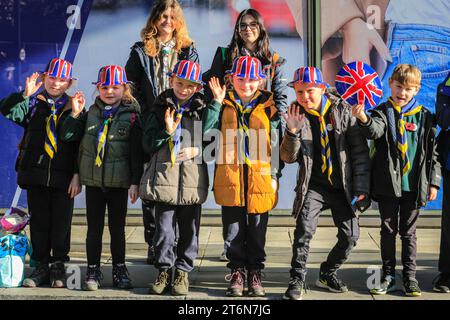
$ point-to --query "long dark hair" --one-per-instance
(262, 51)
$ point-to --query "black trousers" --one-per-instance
(306, 225)
(245, 237)
(148, 214)
(169, 251)
(50, 224)
(444, 256)
(399, 215)
(96, 201)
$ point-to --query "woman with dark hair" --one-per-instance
(250, 38)
(165, 40)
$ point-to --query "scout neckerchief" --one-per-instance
(51, 139)
(324, 140)
(243, 122)
(410, 109)
(108, 114)
(174, 141)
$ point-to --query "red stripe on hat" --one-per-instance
(312, 74)
(60, 67)
(197, 71)
(69, 70)
(189, 70)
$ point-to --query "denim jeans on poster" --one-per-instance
(428, 48)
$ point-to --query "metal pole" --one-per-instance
(314, 33)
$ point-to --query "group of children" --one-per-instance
(65, 147)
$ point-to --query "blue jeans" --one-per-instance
(425, 46)
(428, 48)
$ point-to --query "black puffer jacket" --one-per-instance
(354, 161)
(34, 167)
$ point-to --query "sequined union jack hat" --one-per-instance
(247, 67)
(111, 76)
(59, 68)
(187, 70)
(308, 75)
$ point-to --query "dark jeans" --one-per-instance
(391, 208)
(245, 237)
(444, 256)
(170, 253)
(50, 225)
(344, 219)
(96, 201)
(148, 213)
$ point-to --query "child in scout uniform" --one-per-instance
(324, 138)
(405, 173)
(177, 178)
(442, 281)
(110, 161)
(46, 167)
(246, 176)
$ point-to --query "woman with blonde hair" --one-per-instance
(165, 40)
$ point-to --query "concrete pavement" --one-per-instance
(208, 278)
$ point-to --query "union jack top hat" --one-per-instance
(187, 70)
(59, 68)
(308, 75)
(111, 76)
(247, 67)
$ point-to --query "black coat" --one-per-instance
(386, 166)
(140, 70)
(34, 167)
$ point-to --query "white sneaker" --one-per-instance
(223, 256)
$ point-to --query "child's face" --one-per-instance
(402, 93)
(309, 95)
(166, 23)
(183, 89)
(245, 88)
(111, 95)
(56, 86)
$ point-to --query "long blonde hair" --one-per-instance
(149, 33)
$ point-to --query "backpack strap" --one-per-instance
(133, 118)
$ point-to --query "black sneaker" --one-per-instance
(412, 287)
(39, 277)
(121, 277)
(93, 277)
(295, 290)
(442, 283)
(151, 255)
(387, 285)
(58, 275)
(331, 282)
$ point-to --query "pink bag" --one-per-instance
(14, 220)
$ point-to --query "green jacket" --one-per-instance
(122, 162)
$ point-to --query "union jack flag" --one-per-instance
(358, 83)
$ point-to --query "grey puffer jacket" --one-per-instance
(184, 183)
(354, 161)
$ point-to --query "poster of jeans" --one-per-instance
(385, 33)
(94, 33)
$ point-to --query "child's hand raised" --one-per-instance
(359, 112)
(217, 90)
(171, 125)
(78, 103)
(294, 119)
(31, 85)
